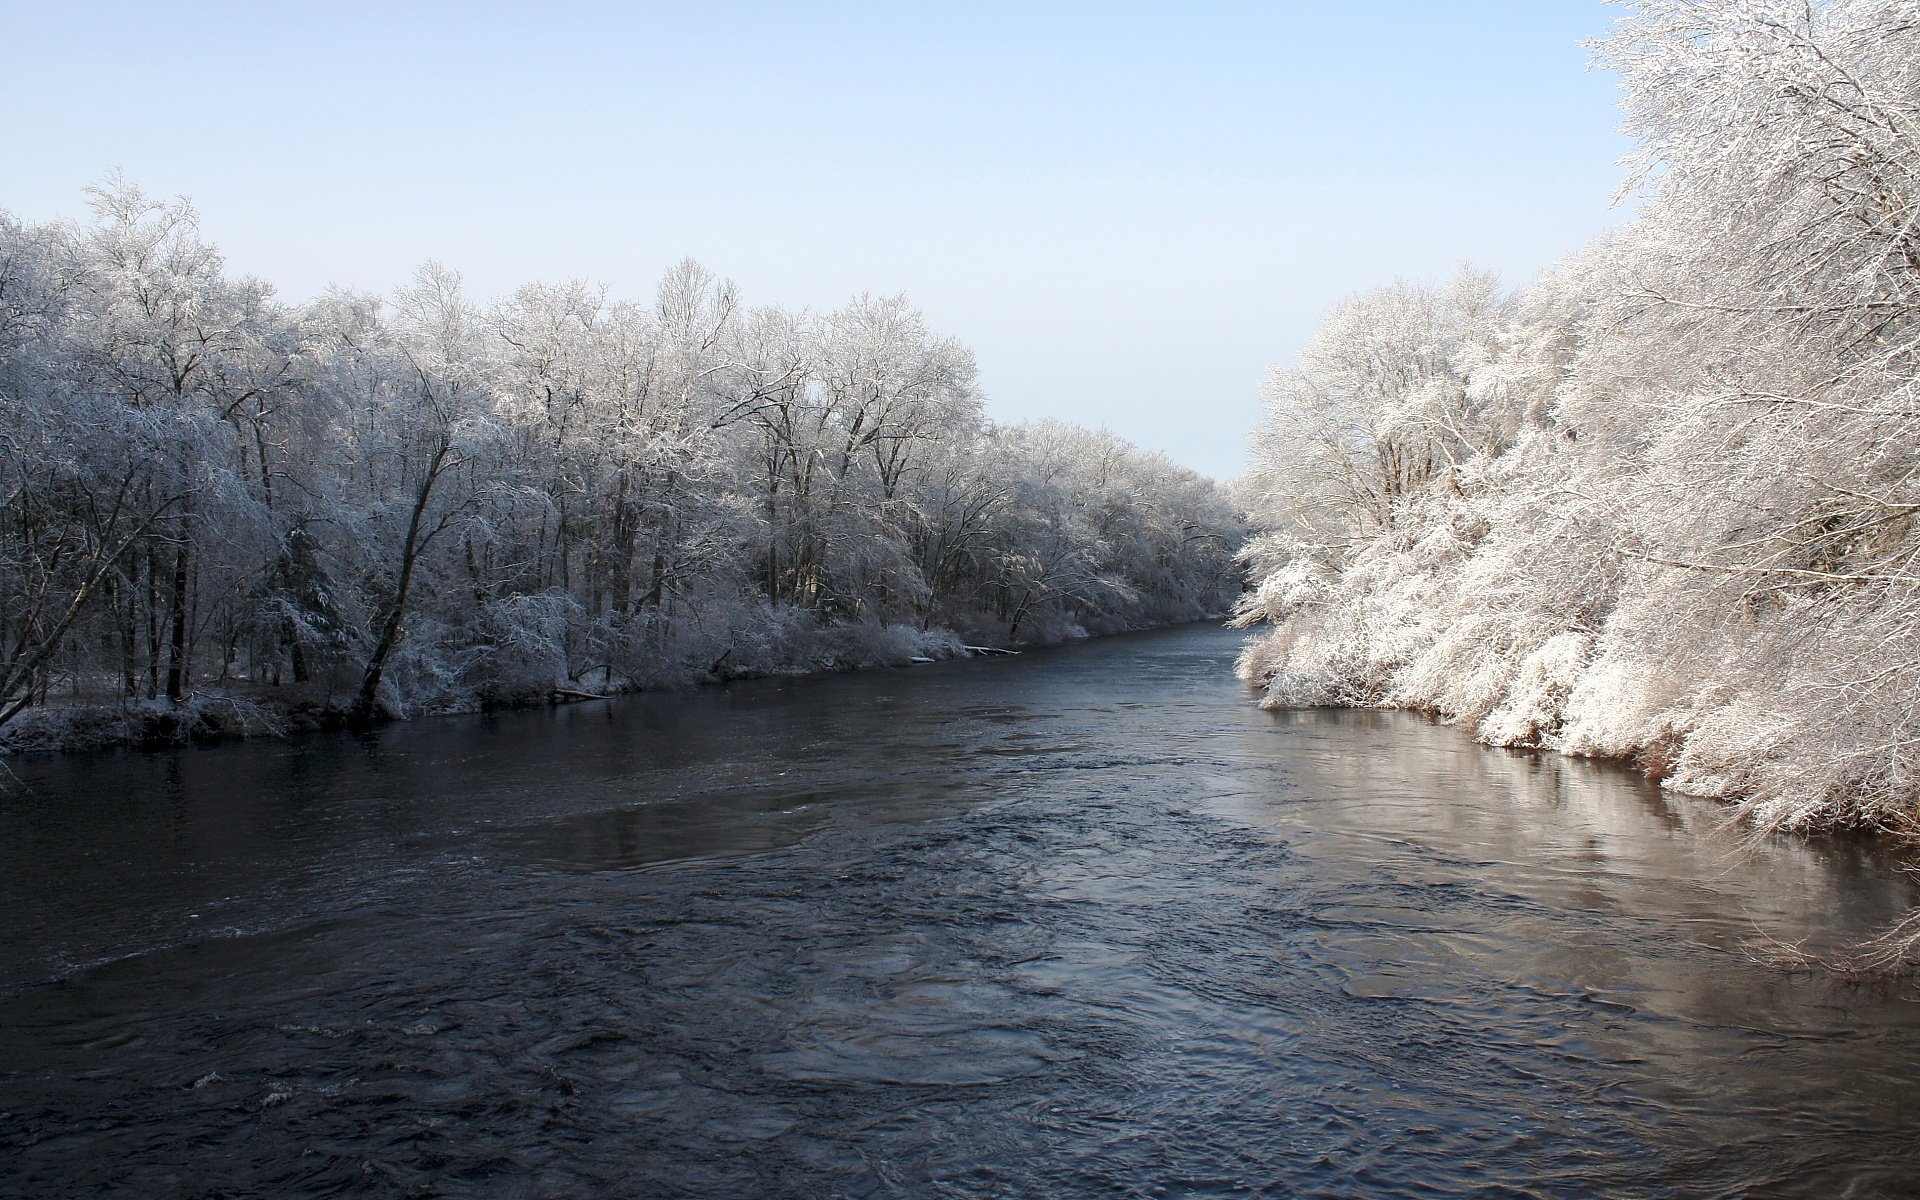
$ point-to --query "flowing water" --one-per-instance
(1081, 923)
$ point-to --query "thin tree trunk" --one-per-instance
(366, 703)
(177, 641)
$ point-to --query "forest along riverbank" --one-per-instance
(1079, 922)
(357, 509)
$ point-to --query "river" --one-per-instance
(1084, 922)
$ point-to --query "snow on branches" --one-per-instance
(1662, 504)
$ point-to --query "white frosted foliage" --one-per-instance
(1663, 505)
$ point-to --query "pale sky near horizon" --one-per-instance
(1129, 211)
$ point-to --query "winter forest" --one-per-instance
(225, 514)
(1662, 504)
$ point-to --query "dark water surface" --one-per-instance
(1081, 923)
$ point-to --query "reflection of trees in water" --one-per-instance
(1410, 814)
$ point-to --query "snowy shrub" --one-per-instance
(1535, 701)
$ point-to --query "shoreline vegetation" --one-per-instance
(1663, 505)
(241, 710)
(222, 513)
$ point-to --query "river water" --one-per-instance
(1080, 923)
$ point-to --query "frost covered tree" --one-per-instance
(1379, 405)
(143, 387)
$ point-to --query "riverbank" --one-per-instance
(242, 709)
(239, 709)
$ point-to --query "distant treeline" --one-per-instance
(216, 507)
(1665, 503)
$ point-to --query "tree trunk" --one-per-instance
(177, 640)
(366, 703)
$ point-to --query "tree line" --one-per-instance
(212, 502)
(1663, 504)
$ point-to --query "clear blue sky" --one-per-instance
(1129, 211)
